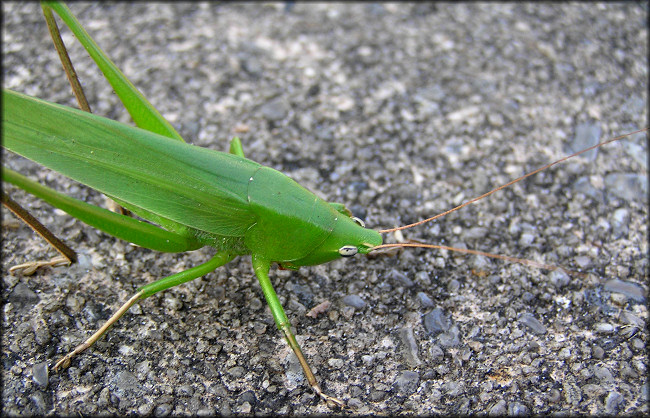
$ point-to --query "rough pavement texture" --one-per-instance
(400, 112)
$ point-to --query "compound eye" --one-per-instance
(347, 250)
(359, 221)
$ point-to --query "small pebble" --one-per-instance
(436, 353)
(614, 402)
(629, 318)
(184, 391)
(335, 363)
(627, 186)
(631, 290)
(618, 299)
(620, 221)
(125, 382)
(533, 323)
(377, 395)
(401, 278)
(453, 388)
(410, 346)
(559, 278)
(275, 110)
(598, 352)
(23, 295)
(587, 135)
(604, 328)
(163, 410)
(554, 396)
(453, 286)
(499, 409)
(354, 301)
(436, 321)
(583, 186)
(603, 373)
(236, 371)
(638, 344)
(407, 382)
(564, 353)
(423, 279)
(244, 408)
(40, 374)
(425, 300)
(39, 401)
(450, 338)
(583, 262)
(517, 408)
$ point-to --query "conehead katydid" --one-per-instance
(151, 277)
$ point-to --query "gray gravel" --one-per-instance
(400, 112)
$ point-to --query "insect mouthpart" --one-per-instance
(348, 250)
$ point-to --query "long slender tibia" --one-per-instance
(174, 280)
(39, 228)
(65, 59)
(261, 267)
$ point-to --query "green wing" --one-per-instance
(196, 187)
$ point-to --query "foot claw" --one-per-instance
(329, 399)
(30, 268)
(63, 363)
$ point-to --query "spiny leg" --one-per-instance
(65, 59)
(261, 267)
(65, 361)
(68, 256)
(144, 292)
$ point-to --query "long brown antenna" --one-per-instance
(510, 183)
(484, 254)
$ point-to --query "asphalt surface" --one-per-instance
(400, 112)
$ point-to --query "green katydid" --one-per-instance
(261, 245)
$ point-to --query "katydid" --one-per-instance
(205, 197)
(250, 212)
